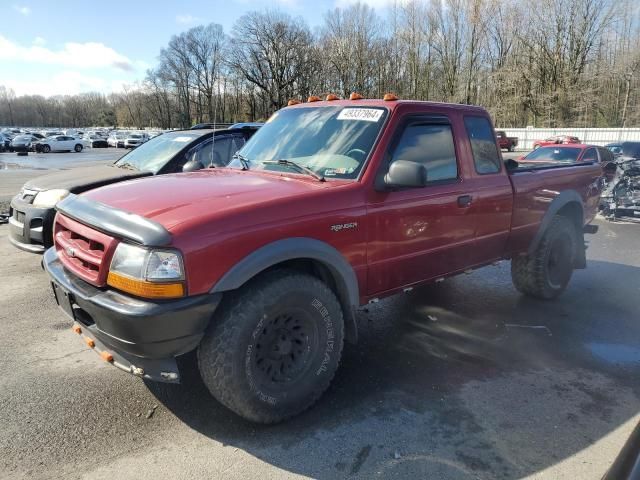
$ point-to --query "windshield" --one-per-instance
(153, 155)
(22, 138)
(334, 142)
(553, 155)
(135, 136)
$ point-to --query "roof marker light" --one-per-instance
(314, 98)
(355, 96)
(331, 97)
(390, 97)
(293, 101)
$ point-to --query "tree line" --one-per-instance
(549, 63)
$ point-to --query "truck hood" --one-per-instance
(81, 179)
(178, 198)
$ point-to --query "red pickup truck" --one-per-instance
(260, 266)
(506, 143)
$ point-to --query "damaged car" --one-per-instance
(621, 197)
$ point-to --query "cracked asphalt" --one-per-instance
(461, 380)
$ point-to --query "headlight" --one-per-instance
(49, 198)
(151, 273)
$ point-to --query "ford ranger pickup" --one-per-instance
(260, 266)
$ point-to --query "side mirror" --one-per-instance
(192, 166)
(403, 173)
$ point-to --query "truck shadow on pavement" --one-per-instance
(457, 380)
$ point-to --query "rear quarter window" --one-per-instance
(483, 145)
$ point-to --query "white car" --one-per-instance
(60, 143)
(135, 140)
(116, 139)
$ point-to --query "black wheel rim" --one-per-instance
(559, 261)
(284, 349)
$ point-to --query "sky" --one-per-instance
(63, 47)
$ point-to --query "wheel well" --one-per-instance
(321, 271)
(573, 211)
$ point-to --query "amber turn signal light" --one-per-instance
(293, 101)
(106, 356)
(77, 329)
(331, 97)
(314, 98)
(144, 288)
(355, 96)
(90, 343)
(389, 97)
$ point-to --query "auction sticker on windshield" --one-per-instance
(182, 139)
(366, 114)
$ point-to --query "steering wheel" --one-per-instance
(359, 152)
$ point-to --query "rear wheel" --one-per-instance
(46, 149)
(546, 272)
(274, 347)
(77, 148)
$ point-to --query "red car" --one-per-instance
(570, 153)
(555, 140)
(260, 266)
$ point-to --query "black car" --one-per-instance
(97, 142)
(33, 209)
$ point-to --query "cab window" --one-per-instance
(431, 145)
(591, 155)
(483, 145)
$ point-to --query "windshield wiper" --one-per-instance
(295, 166)
(127, 165)
(243, 160)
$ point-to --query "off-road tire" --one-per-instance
(546, 273)
(241, 335)
(77, 148)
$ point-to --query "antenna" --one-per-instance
(215, 112)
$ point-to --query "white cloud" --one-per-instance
(68, 82)
(186, 19)
(39, 41)
(22, 10)
(77, 55)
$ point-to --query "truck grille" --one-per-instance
(83, 250)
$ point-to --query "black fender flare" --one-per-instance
(565, 198)
(300, 248)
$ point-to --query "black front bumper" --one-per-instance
(30, 228)
(144, 336)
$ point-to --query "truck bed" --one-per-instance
(535, 188)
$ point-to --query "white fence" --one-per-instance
(593, 136)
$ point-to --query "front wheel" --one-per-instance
(546, 272)
(46, 149)
(77, 148)
(274, 347)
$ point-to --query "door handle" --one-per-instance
(464, 201)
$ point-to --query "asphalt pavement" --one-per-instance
(15, 170)
(466, 379)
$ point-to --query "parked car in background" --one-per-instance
(506, 143)
(60, 143)
(116, 139)
(555, 140)
(32, 210)
(23, 143)
(615, 148)
(134, 140)
(53, 134)
(5, 141)
(568, 154)
(255, 125)
(95, 141)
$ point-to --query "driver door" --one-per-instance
(417, 234)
